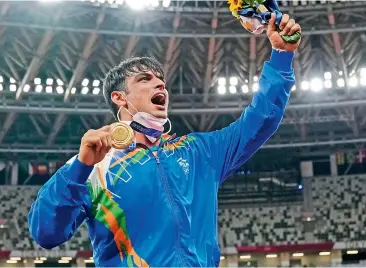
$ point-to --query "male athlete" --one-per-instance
(155, 203)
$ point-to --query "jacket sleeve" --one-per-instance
(60, 205)
(229, 148)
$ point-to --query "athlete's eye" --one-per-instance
(144, 78)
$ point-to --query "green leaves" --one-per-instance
(252, 3)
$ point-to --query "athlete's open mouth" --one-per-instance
(159, 99)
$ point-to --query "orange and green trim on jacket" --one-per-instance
(107, 211)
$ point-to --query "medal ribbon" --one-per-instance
(145, 130)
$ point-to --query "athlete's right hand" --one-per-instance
(95, 144)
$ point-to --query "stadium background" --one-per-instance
(300, 201)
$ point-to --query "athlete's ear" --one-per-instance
(119, 99)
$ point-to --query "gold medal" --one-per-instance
(122, 135)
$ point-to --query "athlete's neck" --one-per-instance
(141, 138)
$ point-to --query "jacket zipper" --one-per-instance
(167, 191)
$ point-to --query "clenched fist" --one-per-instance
(287, 27)
(95, 144)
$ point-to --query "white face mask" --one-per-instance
(147, 124)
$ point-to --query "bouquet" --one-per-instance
(255, 14)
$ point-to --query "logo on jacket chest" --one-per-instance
(184, 164)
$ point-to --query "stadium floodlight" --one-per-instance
(73, 90)
(245, 257)
(12, 80)
(232, 89)
(255, 87)
(255, 78)
(305, 85)
(353, 81)
(233, 81)
(327, 83)
(1, 79)
(1, 87)
(37, 81)
(245, 89)
(39, 88)
(327, 75)
(84, 90)
(363, 81)
(221, 90)
(26, 88)
(316, 84)
(340, 73)
(298, 255)
(49, 81)
(363, 72)
(222, 81)
(340, 82)
(96, 90)
(96, 83)
(85, 82)
(59, 82)
(136, 4)
(166, 3)
(13, 88)
(60, 90)
(48, 89)
(352, 73)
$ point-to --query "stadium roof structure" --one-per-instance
(54, 55)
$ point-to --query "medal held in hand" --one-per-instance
(122, 135)
(255, 14)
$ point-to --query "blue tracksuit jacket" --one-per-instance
(158, 206)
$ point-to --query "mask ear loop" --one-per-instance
(120, 108)
(132, 107)
(118, 112)
(133, 145)
(170, 127)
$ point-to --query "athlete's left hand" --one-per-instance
(287, 27)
